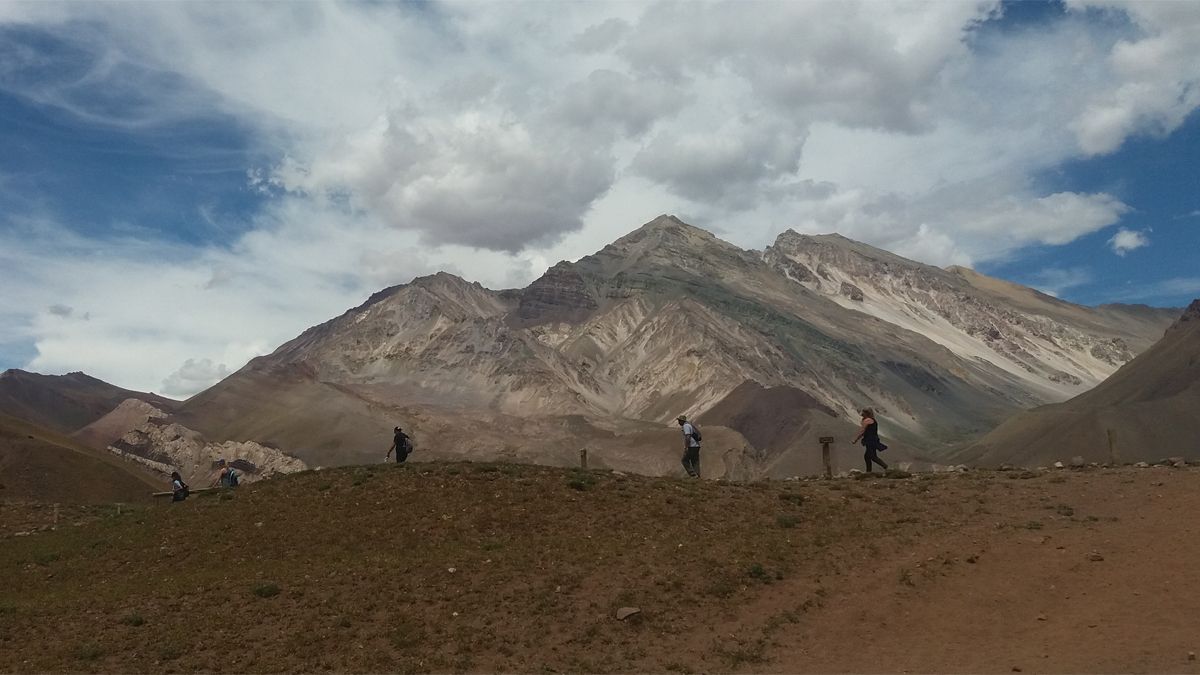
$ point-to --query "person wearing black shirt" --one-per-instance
(402, 444)
(870, 440)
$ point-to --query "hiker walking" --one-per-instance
(691, 447)
(227, 477)
(402, 444)
(179, 489)
(869, 433)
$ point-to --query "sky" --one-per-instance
(184, 186)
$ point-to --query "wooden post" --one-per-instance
(1112, 447)
(826, 441)
(583, 458)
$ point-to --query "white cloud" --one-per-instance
(194, 375)
(1057, 280)
(1126, 240)
(1154, 82)
(495, 139)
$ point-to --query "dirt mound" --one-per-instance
(775, 417)
(1148, 407)
(784, 426)
(497, 567)
(43, 466)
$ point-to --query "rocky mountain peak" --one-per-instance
(664, 231)
(1190, 316)
(790, 237)
(667, 242)
(439, 282)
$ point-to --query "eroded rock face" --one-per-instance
(1058, 349)
(851, 291)
(165, 446)
(558, 295)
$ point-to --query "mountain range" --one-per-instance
(770, 349)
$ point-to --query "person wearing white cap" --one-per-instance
(691, 447)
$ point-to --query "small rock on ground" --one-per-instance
(626, 612)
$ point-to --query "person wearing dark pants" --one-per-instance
(869, 434)
(401, 444)
(691, 447)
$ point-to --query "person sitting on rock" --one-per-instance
(869, 433)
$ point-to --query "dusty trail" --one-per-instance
(1034, 600)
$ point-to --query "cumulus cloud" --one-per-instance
(1126, 240)
(194, 375)
(1154, 82)
(494, 140)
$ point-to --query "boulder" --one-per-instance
(1078, 462)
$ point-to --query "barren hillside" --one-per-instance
(483, 568)
(39, 465)
(64, 403)
(1150, 406)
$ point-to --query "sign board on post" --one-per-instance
(826, 441)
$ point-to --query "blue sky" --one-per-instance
(1159, 178)
(184, 186)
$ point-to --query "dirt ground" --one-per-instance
(488, 567)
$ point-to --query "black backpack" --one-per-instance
(696, 433)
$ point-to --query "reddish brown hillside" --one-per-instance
(64, 403)
(784, 425)
(43, 466)
(487, 568)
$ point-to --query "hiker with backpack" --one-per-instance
(227, 477)
(402, 444)
(869, 433)
(691, 447)
(179, 489)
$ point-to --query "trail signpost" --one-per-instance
(826, 441)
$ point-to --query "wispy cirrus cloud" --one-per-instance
(1178, 290)
(1056, 280)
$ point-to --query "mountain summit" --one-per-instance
(603, 352)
